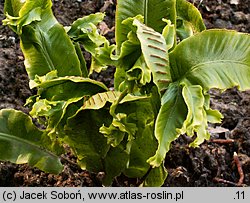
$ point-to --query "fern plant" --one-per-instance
(166, 62)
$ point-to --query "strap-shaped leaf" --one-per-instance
(171, 116)
(152, 10)
(55, 88)
(99, 100)
(51, 79)
(155, 53)
(213, 59)
(41, 39)
(21, 142)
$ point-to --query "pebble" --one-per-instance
(12, 40)
(236, 2)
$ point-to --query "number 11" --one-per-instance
(240, 195)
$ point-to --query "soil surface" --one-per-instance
(202, 166)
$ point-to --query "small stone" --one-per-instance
(12, 40)
(236, 2)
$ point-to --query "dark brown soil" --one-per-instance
(186, 166)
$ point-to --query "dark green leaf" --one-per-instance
(21, 142)
(41, 40)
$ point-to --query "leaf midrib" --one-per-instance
(196, 67)
(146, 12)
(11, 138)
(173, 109)
(44, 49)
